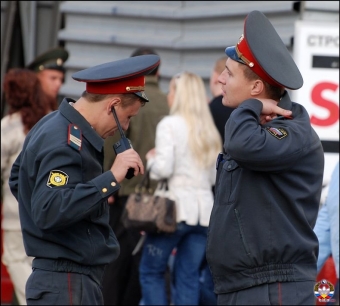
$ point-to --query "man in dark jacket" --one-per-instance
(261, 246)
(61, 188)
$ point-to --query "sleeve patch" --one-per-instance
(74, 137)
(278, 133)
(57, 178)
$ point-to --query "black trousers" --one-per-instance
(121, 280)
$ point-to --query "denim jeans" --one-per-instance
(207, 296)
(190, 243)
(327, 224)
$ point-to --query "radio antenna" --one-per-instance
(117, 121)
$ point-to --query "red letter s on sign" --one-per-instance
(332, 107)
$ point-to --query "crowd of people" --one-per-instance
(245, 169)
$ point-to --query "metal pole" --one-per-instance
(6, 44)
(28, 12)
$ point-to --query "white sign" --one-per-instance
(316, 53)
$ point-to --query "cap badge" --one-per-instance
(57, 178)
(241, 56)
(59, 61)
(138, 88)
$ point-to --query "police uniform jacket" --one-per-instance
(268, 189)
(59, 182)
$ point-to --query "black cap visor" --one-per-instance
(142, 96)
(231, 52)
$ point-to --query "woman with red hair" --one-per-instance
(27, 104)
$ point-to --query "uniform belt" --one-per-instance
(64, 265)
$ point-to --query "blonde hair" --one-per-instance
(190, 102)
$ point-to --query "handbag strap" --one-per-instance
(144, 185)
(163, 184)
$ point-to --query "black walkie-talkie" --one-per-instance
(122, 145)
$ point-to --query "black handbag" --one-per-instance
(150, 212)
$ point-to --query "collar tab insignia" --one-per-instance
(74, 137)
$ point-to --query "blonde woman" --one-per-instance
(187, 144)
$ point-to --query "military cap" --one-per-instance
(119, 77)
(263, 51)
(51, 59)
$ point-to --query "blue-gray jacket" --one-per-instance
(268, 190)
(62, 191)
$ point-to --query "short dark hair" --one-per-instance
(127, 99)
(274, 92)
(144, 51)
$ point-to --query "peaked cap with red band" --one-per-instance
(119, 77)
(263, 51)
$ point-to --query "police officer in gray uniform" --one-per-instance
(62, 191)
(261, 246)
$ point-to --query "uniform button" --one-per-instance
(104, 190)
(113, 184)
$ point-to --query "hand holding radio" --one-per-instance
(126, 161)
(122, 146)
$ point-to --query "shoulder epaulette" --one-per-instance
(74, 137)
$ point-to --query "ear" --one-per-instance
(257, 87)
(114, 102)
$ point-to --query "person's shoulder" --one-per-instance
(11, 123)
(335, 174)
(172, 120)
(216, 103)
(51, 130)
(168, 120)
(215, 100)
(174, 123)
(216, 106)
(300, 111)
(12, 133)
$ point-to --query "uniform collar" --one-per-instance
(75, 117)
(285, 101)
